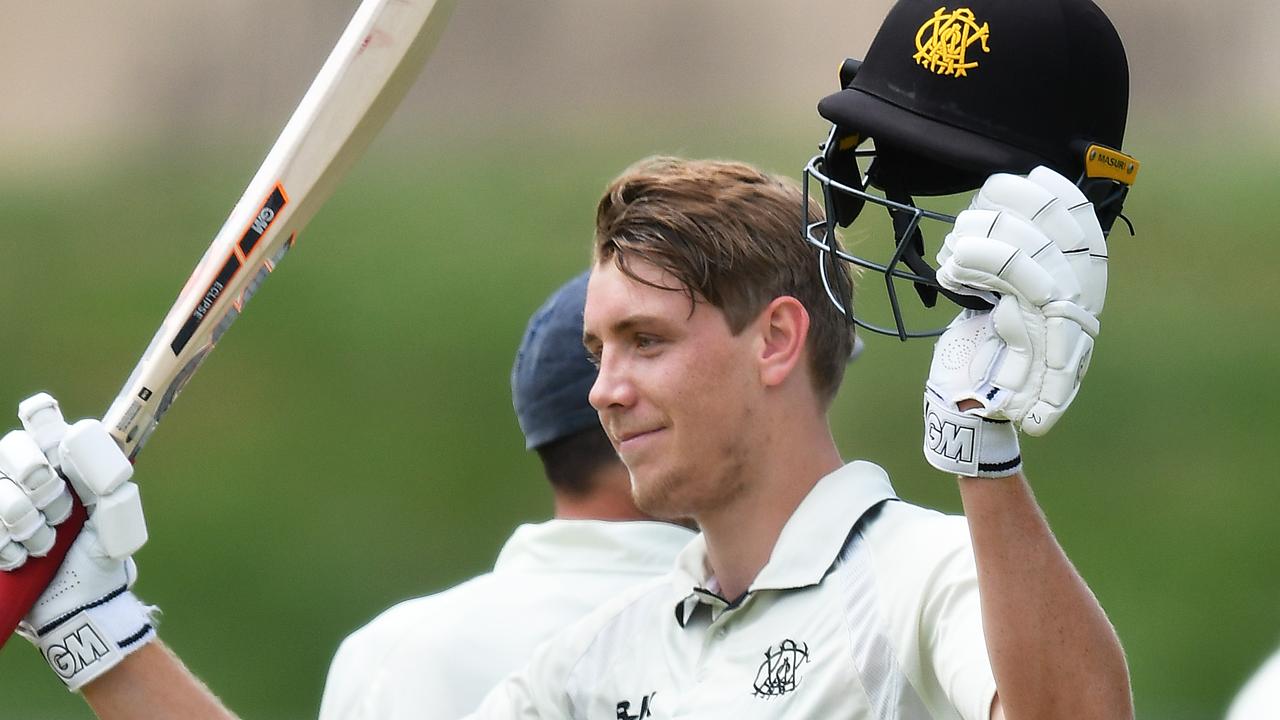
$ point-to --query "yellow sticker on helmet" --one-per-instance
(849, 142)
(943, 41)
(1103, 162)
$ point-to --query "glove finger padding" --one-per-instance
(32, 500)
(984, 264)
(23, 463)
(1059, 210)
(1023, 336)
(1068, 351)
(1090, 261)
(1019, 320)
(92, 460)
(1033, 247)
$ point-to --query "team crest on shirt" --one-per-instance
(779, 674)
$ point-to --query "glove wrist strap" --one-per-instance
(969, 445)
(84, 644)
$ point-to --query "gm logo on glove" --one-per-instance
(948, 439)
(79, 649)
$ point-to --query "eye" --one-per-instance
(594, 359)
(647, 342)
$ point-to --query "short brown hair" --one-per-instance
(573, 463)
(733, 236)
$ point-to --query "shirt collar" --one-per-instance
(592, 545)
(809, 544)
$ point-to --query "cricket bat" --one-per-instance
(366, 75)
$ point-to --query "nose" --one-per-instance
(613, 387)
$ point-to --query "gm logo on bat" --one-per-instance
(80, 649)
(948, 439)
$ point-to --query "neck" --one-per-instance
(741, 534)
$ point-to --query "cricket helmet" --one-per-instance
(950, 95)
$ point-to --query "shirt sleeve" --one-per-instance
(536, 692)
(951, 629)
(1261, 696)
(347, 681)
(928, 584)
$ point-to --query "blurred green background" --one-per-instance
(351, 443)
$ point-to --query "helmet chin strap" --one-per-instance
(912, 253)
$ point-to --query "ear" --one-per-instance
(784, 328)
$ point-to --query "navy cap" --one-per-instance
(552, 376)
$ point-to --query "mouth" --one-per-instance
(629, 442)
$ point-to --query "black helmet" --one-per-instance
(950, 96)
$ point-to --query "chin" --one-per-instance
(656, 495)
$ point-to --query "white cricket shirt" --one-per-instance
(1260, 698)
(437, 656)
(846, 621)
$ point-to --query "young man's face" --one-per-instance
(675, 391)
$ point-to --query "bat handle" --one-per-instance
(20, 589)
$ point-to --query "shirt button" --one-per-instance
(721, 633)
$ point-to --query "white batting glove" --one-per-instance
(1033, 247)
(86, 621)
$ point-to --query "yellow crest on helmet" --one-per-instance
(943, 41)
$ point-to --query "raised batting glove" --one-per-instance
(1033, 247)
(86, 621)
